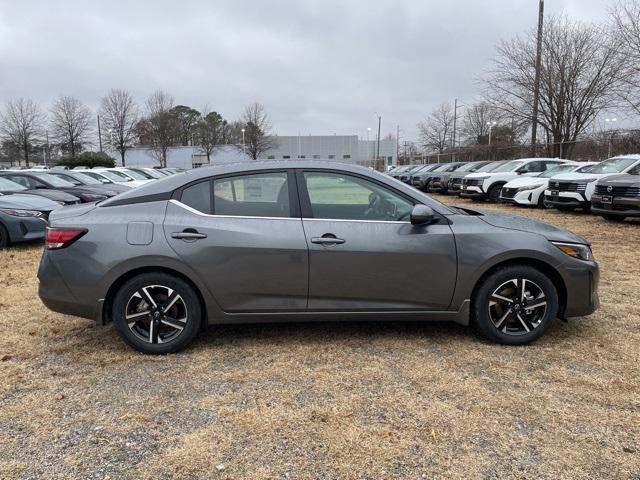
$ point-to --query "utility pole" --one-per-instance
(536, 81)
(99, 134)
(378, 146)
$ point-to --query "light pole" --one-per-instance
(611, 121)
(243, 149)
(491, 125)
(378, 140)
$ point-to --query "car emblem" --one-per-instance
(609, 189)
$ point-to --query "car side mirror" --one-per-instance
(422, 215)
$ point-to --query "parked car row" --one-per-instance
(28, 196)
(610, 188)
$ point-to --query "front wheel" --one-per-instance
(157, 313)
(494, 193)
(515, 305)
(5, 241)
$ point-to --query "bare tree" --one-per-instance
(70, 123)
(257, 135)
(475, 123)
(435, 131)
(159, 124)
(210, 130)
(580, 77)
(21, 124)
(625, 29)
(119, 114)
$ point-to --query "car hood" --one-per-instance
(478, 175)
(523, 224)
(522, 181)
(580, 176)
(26, 201)
(623, 180)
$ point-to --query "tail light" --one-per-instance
(58, 238)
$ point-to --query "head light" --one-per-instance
(575, 250)
(21, 213)
(529, 187)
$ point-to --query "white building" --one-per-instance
(340, 148)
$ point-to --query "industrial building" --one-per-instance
(339, 148)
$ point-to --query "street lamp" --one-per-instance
(368, 141)
(613, 132)
(243, 149)
(491, 125)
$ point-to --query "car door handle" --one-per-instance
(188, 234)
(327, 239)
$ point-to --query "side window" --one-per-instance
(24, 181)
(252, 195)
(346, 197)
(198, 196)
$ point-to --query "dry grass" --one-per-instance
(326, 400)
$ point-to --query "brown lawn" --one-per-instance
(334, 401)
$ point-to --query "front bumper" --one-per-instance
(566, 199)
(24, 229)
(619, 206)
(473, 192)
(582, 289)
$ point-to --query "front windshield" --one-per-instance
(470, 167)
(441, 168)
(153, 173)
(613, 165)
(455, 168)
(136, 175)
(55, 181)
(116, 176)
(489, 167)
(585, 169)
(556, 170)
(86, 179)
(99, 177)
(509, 166)
(7, 185)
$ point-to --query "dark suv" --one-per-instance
(618, 197)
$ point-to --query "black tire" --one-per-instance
(5, 241)
(614, 218)
(494, 193)
(515, 328)
(178, 332)
(541, 203)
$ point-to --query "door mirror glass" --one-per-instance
(422, 215)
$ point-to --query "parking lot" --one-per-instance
(392, 400)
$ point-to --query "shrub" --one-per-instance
(88, 159)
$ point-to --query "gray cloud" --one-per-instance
(319, 67)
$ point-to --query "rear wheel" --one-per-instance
(157, 313)
(5, 241)
(494, 193)
(515, 305)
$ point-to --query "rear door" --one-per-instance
(364, 254)
(243, 235)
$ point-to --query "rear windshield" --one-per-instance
(55, 181)
(136, 175)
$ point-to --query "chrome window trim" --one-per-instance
(197, 212)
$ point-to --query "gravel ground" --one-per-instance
(326, 401)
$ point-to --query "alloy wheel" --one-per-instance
(156, 314)
(517, 307)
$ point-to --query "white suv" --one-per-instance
(482, 186)
(530, 190)
(569, 191)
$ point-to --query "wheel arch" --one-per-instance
(540, 265)
(123, 278)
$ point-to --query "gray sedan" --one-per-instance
(278, 241)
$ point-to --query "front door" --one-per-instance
(243, 236)
(364, 254)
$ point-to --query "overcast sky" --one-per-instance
(319, 67)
